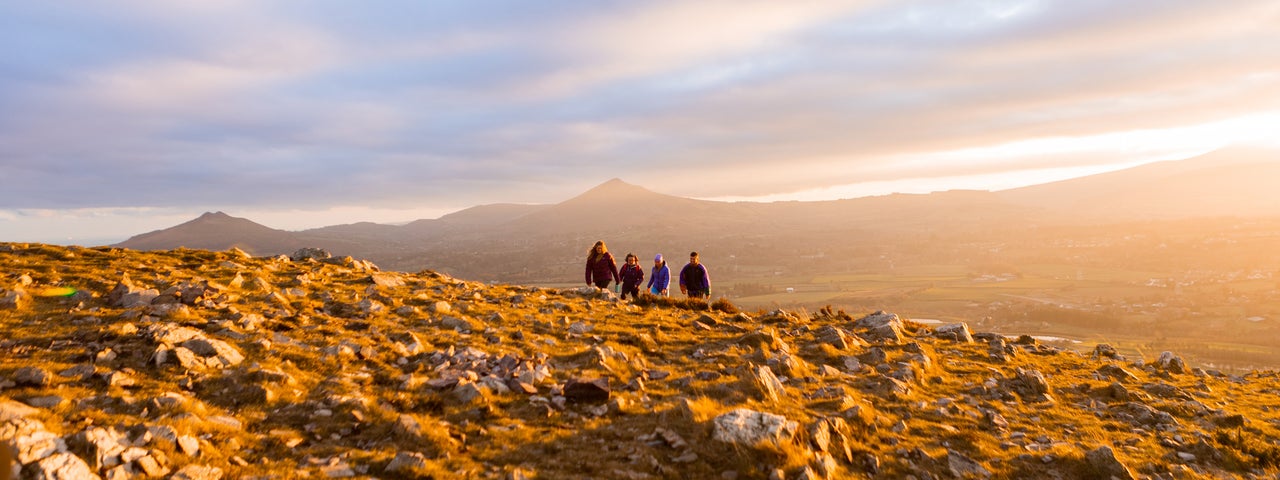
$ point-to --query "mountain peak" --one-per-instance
(613, 190)
(219, 215)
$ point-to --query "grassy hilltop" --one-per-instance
(198, 364)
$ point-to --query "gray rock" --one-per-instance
(224, 354)
(170, 334)
(100, 447)
(15, 300)
(1105, 464)
(310, 253)
(879, 319)
(874, 356)
(407, 461)
(770, 388)
(993, 420)
(30, 440)
(32, 376)
(197, 472)
(885, 385)
(955, 331)
(189, 445)
(470, 392)
(1171, 363)
(1103, 350)
(961, 466)
(831, 335)
(1116, 373)
(460, 324)
(789, 365)
(386, 279)
(10, 409)
(1164, 390)
(1141, 414)
(594, 391)
(50, 401)
(63, 466)
(749, 428)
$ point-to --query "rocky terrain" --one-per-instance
(192, 364)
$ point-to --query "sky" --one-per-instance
(118, 118)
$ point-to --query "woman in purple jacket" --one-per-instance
(601, 269)
(661, 278)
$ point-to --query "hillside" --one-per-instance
(201, 364)
(1228, 182)
(540, 243)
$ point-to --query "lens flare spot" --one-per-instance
(57, 292)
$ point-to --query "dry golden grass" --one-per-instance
(305, 405)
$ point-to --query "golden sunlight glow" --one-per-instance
(1010, 165)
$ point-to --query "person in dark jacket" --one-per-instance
(632, 275)
(694, 280)
(660, 279)
(601, 269)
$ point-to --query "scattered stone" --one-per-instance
(958, 332)
(16, 299)
(767, 384)
(197, 472)
(749, 428)
(961, 466)
(407, 461)
(49, 401)
(32, 376)
(64, 466)
(1103, 350)
(1171, 363)
(310, 253)
(594, 391)
(1116, 373)
(1105, 464)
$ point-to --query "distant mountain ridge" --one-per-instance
(505, 241)
(1228, 182)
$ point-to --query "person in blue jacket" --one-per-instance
(660, 279)
(694, 280)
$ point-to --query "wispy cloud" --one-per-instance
(246, 104)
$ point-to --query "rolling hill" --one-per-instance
(513, 242)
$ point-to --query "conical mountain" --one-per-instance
(218, 231)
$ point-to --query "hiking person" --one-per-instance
(660, 279)
(601, 269)
(694, 280)
(632, 275)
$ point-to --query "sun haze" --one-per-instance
(386, 112)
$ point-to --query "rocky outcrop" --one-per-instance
(210, 365)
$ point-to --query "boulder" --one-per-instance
(32, 376)
(1171, 363)
(61, 466)
(958, 332)
(407, 461)
(1104, 463)
(101, 447)
(197, 472)
(595, 391)
(770, 388)
(15, 300)
(961, 466)
(1116, 373)
(749, 428)
(310, 253)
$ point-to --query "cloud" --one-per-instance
(306, 105)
